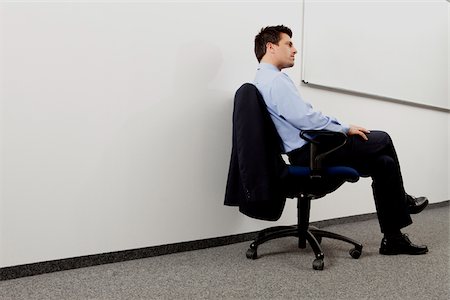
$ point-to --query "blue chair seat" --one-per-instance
(341, 172)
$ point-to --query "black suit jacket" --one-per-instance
(257, 173)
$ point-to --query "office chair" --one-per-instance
(259, 181)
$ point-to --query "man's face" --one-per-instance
(284, 52)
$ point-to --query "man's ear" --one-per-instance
(269, 47)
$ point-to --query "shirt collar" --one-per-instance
(266, 66)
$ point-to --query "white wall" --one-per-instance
(115, 125)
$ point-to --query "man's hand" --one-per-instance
(357, 130)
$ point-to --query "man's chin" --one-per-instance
(289, 65)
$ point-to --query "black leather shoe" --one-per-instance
(416, 204)
(401, 245)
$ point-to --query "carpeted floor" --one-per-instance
(282, 271)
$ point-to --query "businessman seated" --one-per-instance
(371, 153)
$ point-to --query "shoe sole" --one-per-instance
(384, 252)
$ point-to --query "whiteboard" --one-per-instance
(393, 49)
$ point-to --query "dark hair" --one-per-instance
(269, 34)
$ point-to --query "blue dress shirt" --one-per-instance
(289, 112)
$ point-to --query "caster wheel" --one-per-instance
(318, 264)
(251, 253)
(355, 253)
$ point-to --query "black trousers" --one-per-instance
(375, 158)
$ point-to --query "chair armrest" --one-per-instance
(322, 143)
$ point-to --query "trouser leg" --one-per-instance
(375, 158)
(389, 195)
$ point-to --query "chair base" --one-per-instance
(314, 237)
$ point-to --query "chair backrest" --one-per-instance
(257, 169)
(253, 121)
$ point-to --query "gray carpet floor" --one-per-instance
(282, 271)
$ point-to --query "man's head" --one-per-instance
(273, 45)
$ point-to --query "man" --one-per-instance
(371, 153)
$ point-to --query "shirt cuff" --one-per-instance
(345, 128)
